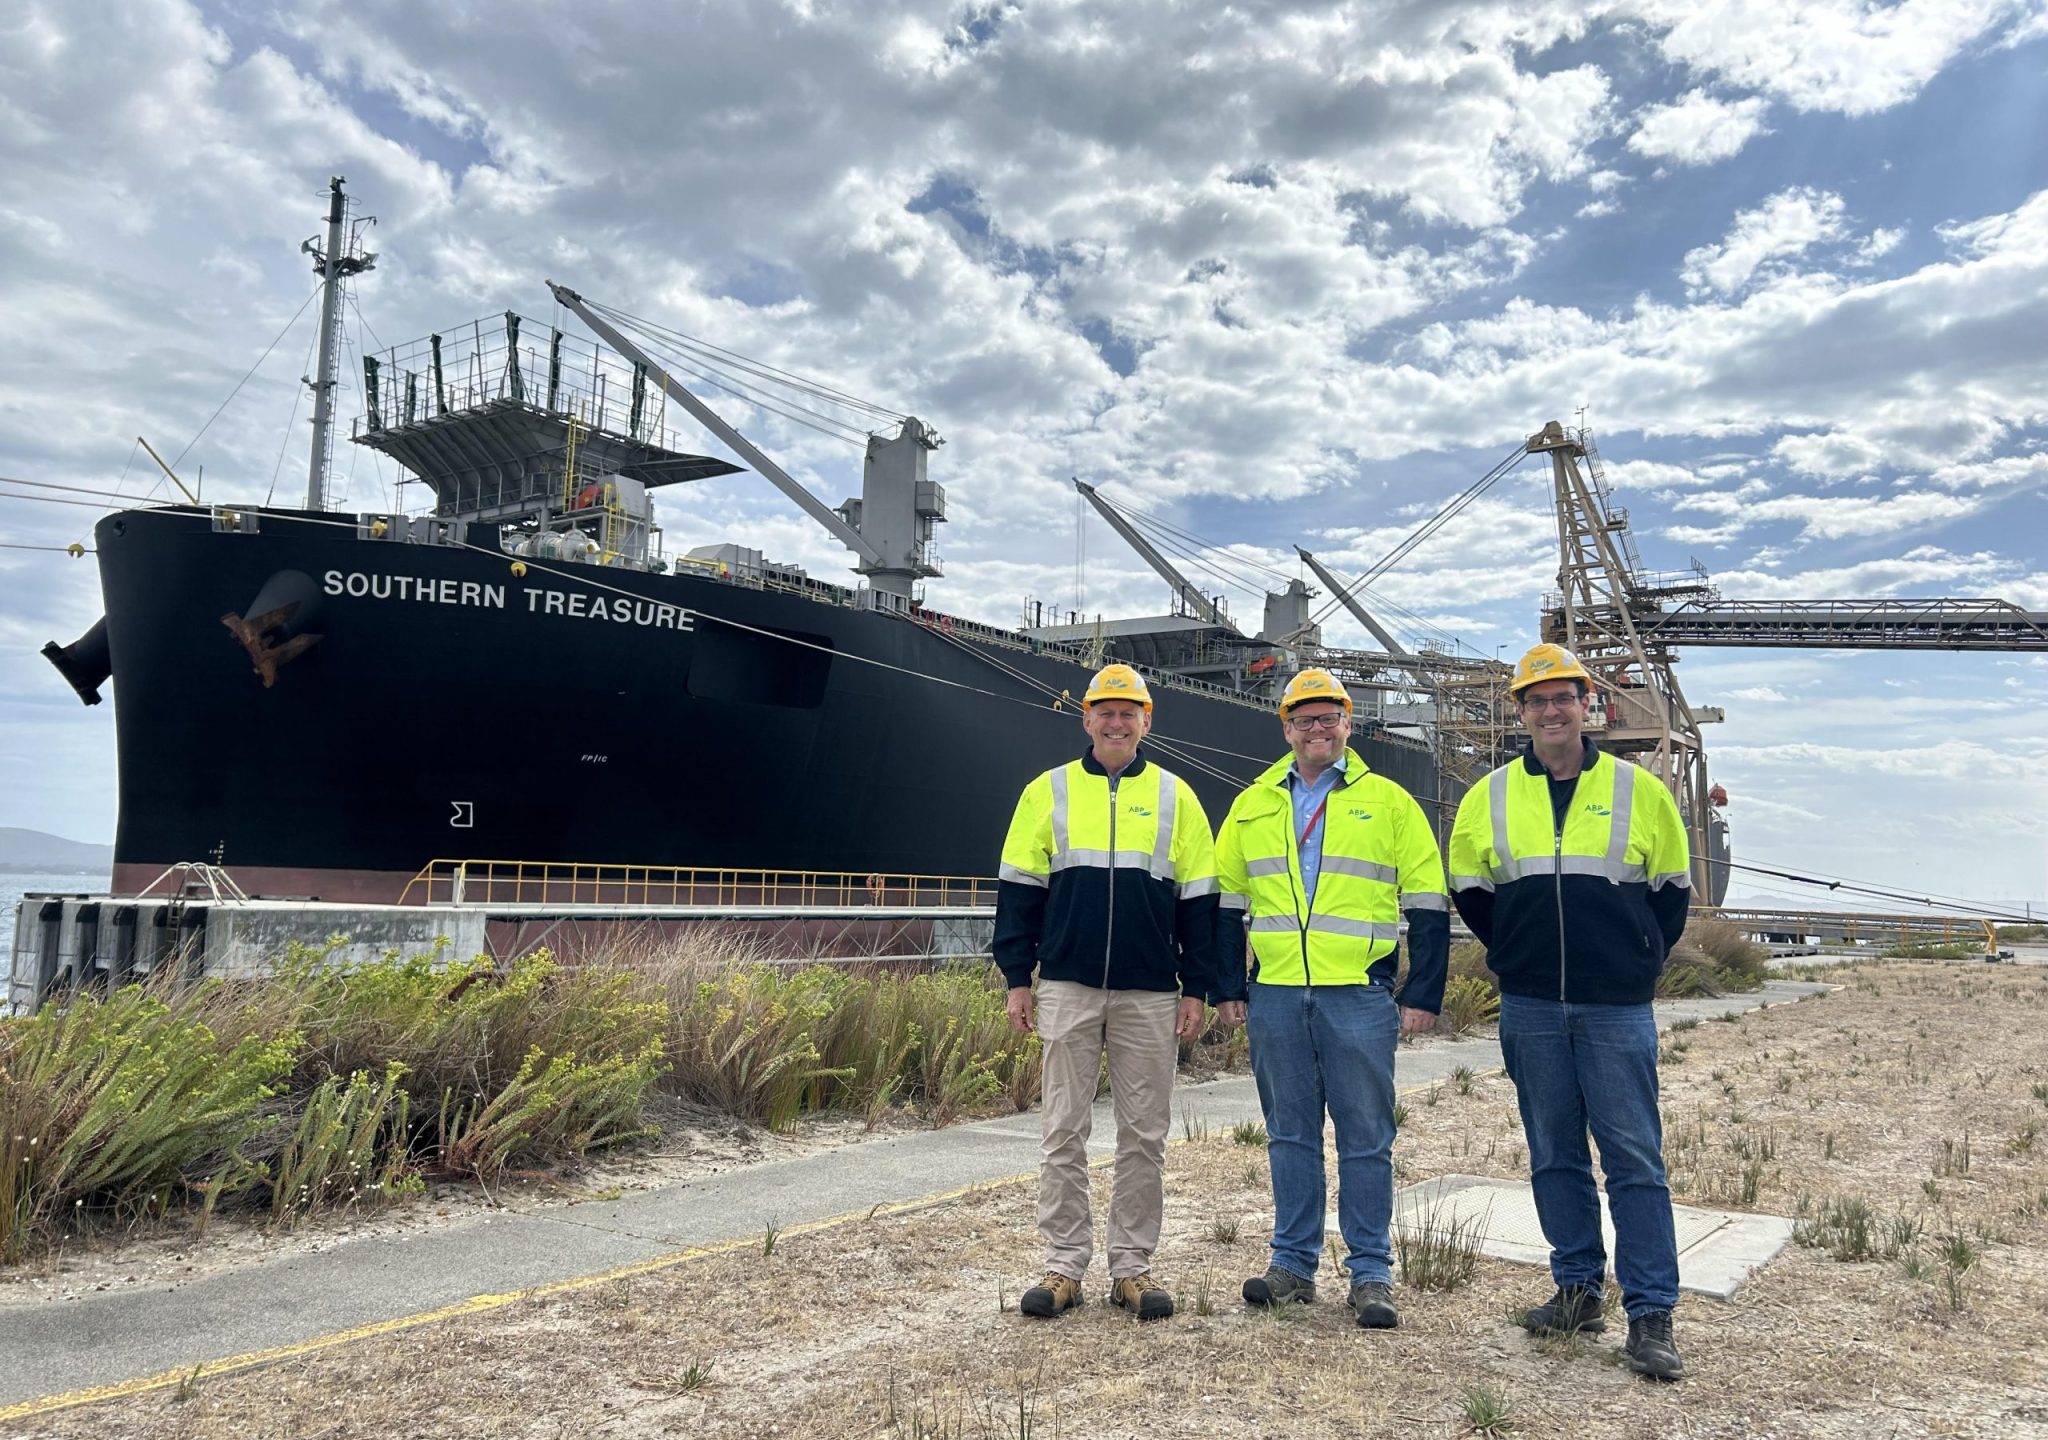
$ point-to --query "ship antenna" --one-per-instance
(334, 264)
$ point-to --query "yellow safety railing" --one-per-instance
(530, 884)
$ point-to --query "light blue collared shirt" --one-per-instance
(1310, 801)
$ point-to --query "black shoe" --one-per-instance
(1056, 1292)
(1143, 1296)
(1650, 1349)
(1373, 1303)
(1572, 1308)
(1278, 1287)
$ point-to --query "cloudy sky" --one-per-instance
(1276, 273)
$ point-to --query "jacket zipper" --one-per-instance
(1109, 931)
(1557, 876)
(1307, 980)
(1304, 915)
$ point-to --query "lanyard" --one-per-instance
(1313, 820)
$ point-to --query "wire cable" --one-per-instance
(751, 366)
(789, 410)
(245, 379)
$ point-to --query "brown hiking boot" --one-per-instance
(1056, 1292)
(1142, 1296)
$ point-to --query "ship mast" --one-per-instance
(333, 264)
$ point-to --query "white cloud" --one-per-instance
(1947, 760)
(1757, 692)
(1851, 56)
(1330, 245)
(1698, 129)
(1785, 225)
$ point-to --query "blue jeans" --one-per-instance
(1328, 1047)
(1581, 1066)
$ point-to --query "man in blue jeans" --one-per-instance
(1320, 859)
(1572, 868)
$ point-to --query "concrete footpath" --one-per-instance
(117, 1341)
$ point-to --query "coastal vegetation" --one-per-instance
(324, 1088)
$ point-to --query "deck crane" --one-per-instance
(1287, 623)
(1185, 591)
(1351, 602)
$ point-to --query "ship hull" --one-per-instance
(447, 708)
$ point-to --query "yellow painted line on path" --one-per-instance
(481, 1304)
(475, 1305)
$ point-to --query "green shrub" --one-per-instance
(117, 1105)
(1739, 962)
(1932, 950)
(350, 1148)
(1468, 1002)
(770, 1044)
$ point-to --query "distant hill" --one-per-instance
(37, 853)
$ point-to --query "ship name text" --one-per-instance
(573, 604)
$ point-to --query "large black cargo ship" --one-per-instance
(452, 707)
(322, 703)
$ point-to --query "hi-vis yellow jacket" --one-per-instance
(1113, 887)
(1577, 889)
(1379, 861)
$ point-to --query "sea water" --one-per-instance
(13, 887)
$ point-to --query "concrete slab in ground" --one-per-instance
(1717, 1249)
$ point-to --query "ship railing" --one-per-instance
(521, 360)
(1857, 928)
(563, 884)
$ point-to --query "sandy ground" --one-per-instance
(1918, 1088)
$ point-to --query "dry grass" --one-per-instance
(906, 1325)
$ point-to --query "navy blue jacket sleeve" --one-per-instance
(1194, 935)
(1229, 951)
(1429, 959)
(1669, 904)
(1475, 908)
(1020, 921)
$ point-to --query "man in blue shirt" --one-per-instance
(1319, 861)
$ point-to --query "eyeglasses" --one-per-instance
(1329, 720)
(1550, 702)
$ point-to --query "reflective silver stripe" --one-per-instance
(1681, 878)
(1498, 794)
(1059, 813)
(1600, 865)
(1229, 900)
(1424, 900)
(1020, 877)
(1274, 922)
(1624, 802)
(1363, 869)
(1357, 929)
(1471, 882)
(1104, 860)
(1189, 889)
(1162, 845)
(1271, 865)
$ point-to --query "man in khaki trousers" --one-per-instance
(1108, 891)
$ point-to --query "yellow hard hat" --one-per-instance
(1118, 682)
(1314, 685)
(1546, 662)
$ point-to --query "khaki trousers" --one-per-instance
(1076, 1024)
